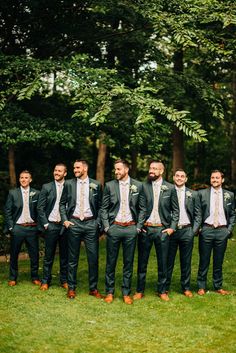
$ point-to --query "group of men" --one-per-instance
(127, 211)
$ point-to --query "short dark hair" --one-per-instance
(83, 161)
(123, 161)
(156, 161)
(218, 171)
(180, 170)
(61, 165)
(26, 172)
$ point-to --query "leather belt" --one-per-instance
(149, 224)
(212, 226)
(84, 219)
(184, 226)
(27, 224)
(125, 224)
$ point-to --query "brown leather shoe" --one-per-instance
(64, 285)
(164, 297)
(188, 294)
(222, 291)
(71, 294)
(127, 299)
(44, 286)
(109, 298)
(201, 291)
(37, 282)
(95, 293)
(12, 283)
(138, 296)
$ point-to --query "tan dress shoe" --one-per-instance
(164, 297)
(201, 291)
(37, 282)
(138, 296)
(109, 298)
(64, 285)
(95, 293)
(188, 294)
(71, 294)
(223, 291)
(44, 286)
(127, 299)
(12, 283)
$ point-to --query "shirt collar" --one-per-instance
(84, 181)
(25, 190)
(158, 182)
(182, 188)
(125, 182)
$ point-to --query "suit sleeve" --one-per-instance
(8, 212)
(197, 221)
(41, 207)
(142, 208)
(105, 207)
(175, 209)
(63, 204)
(232, 215)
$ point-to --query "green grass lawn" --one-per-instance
(35, 321)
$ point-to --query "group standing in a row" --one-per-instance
(154, 212)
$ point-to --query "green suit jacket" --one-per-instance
(14, 206)
(68, 199)
(193, 208)
(111, 202)
(168, 207)
(46, 202)
(228, 205)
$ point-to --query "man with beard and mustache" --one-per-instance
(218, 220)
(80, 214)
(50, 224)
(122, 214)
(162, 215)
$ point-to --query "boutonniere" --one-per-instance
(189, 194)
(226, 196)
(164, 188)
(133, 188)
(93, 186)
(32, 193)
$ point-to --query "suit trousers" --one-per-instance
(52, 238)
(182, 239)
(212, 239)
(86, 231)
(161, 243)
(116, 236)
(27, 235)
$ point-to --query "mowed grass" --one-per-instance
(35, 321)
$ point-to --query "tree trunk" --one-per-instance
(178, 149)
(133, 172)
(178, 137)
(233, 129)
(11, 163)
(101, 160)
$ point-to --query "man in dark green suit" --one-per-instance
(218, 219)
(80, 214)
(21, 218)
(162, 215)
(183, 237)
(123, 214)
(50, 223)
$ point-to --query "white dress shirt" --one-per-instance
(86, 205)
(25, 214)
(221, 217)
(124, 213)
(183, 216)
(55, 214)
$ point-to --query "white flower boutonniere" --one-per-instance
(93, 186)
(133, 188)
(164, 187)
(32, 193)
(189, 194)
(226, 196)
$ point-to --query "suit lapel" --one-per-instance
(117, 189)
(74, 190)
